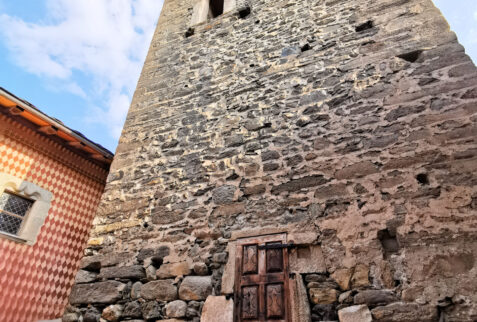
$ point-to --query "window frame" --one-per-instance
(201, 11)
(35, 216)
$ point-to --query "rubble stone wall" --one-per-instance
(349, 125)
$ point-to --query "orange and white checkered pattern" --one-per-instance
(35, 281)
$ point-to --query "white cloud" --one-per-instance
(104, 40)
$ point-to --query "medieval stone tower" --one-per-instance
(292, 160)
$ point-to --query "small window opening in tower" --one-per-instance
(216, 8)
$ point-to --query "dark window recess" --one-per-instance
(422, 179)
(243, 13)
(365, 26)
(216, 7)
(389, 242)
(305, 47)
(189, 32)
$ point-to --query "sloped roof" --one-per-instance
(53, 127)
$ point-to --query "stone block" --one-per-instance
(323, 295)
(375, 297)
(299, 300)
(160, 252)
(223, 194)
(308, 259)
(360, 276)
(176, 309)
(173, 270)
(136, 290)
(132, 310)
(357, 170)
(124, 272)
(195, 288)
(85, 277)
(201, 269)
(163, 290)
(151, 310)
(228, 277)
(217, 309)
(405, 312)
(91, 263)
(100, 292)
(298, 184)
(112, 312)
(325, 312)
(356, 313)
(342, 276)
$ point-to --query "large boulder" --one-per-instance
(195, 288)
(163, 290)
(101, 292)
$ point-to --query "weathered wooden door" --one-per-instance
(261, 279)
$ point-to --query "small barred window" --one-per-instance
(13, 210)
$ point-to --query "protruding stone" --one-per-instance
(217, 309)
(101, 292)
(163, 290)
(176, 309)
(323, 295)
(195, 288)
(356, 313)
(112, 313)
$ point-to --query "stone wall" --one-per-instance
(349, 125)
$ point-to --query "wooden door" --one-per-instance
(261, 279)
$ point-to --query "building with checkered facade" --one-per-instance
(51, 180)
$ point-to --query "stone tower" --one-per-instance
(292, 161)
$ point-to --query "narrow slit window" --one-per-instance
(13, 210)
(216, 8)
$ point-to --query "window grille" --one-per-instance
(13, 210)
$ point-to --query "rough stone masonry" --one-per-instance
(348, 126)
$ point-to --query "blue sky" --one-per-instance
(79, 60)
